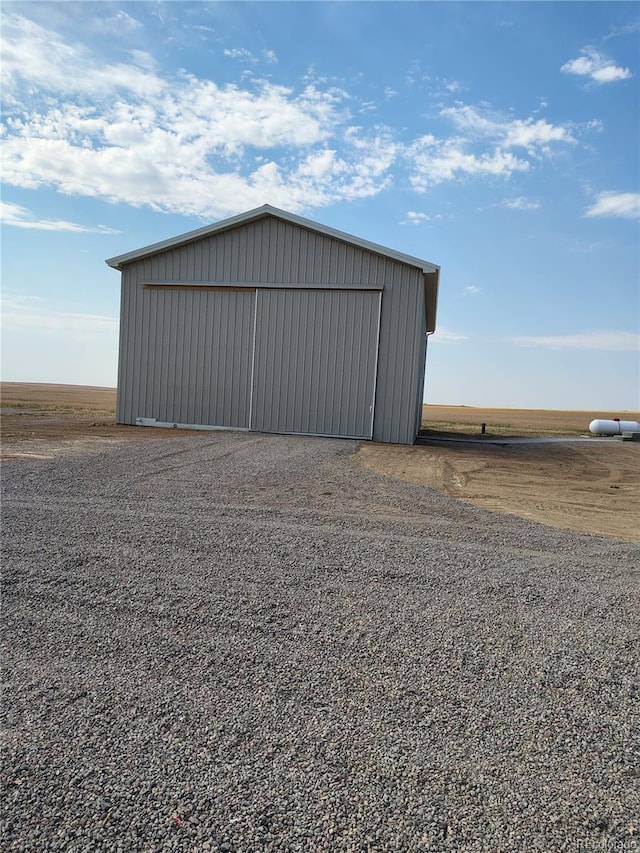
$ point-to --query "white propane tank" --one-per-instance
(613, 427)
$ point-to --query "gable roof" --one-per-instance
(258, 213)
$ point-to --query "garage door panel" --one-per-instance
(205, 357)
(315, 362)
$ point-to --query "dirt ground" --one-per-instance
(586, 486)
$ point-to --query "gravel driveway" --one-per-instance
(238, 642)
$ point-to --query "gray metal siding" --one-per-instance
(190, 361)
(400, 360)
(277, 252)
(315, 362)
(270, 251)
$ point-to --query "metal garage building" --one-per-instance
(273, 323)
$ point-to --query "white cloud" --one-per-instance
(522, 203)
(510, 133)
(415, 218)
(606, 340)
(483, 146)
(625, 205)
(436, 161)
(241, 53)
(21, 217)
(33, 56)
(447, 336)
(596, 66)
(471, 290)
(123, 133)
(533, 134)
(179, 143)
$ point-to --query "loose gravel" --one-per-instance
(238, 642)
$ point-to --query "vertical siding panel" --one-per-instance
(191, 364)
(173, 387)
(336, 364)
(123, 393)
(278, 264)
(235, 266)
(294, 272)
(217, 403)
(401, 346)
(167, 326)
(271, 253)
(198, 258)
(246, 248)
(208, 345)
(304, 358)
(223, 353)
(313, 342)
(156, 325)
(204, 350)
(144, 366)
(253, 268)
(196, 360)
(190, 261)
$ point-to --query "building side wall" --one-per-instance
(270, 251)
(400, 359)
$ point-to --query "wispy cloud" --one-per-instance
(624, 30)
(625, 205)
(415, 217)
(596, 67)
(21, 217)
(605, 340)
(522, 203)
(25, 314)
(240, 53)
(116, 24)
(580, 247)
(447, 336)
(471, 290)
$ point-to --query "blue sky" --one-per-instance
(498, 140)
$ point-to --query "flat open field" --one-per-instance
(469, 419)
(587, 487)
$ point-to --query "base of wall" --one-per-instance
(153, 422)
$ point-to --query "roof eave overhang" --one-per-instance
(431, 285)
